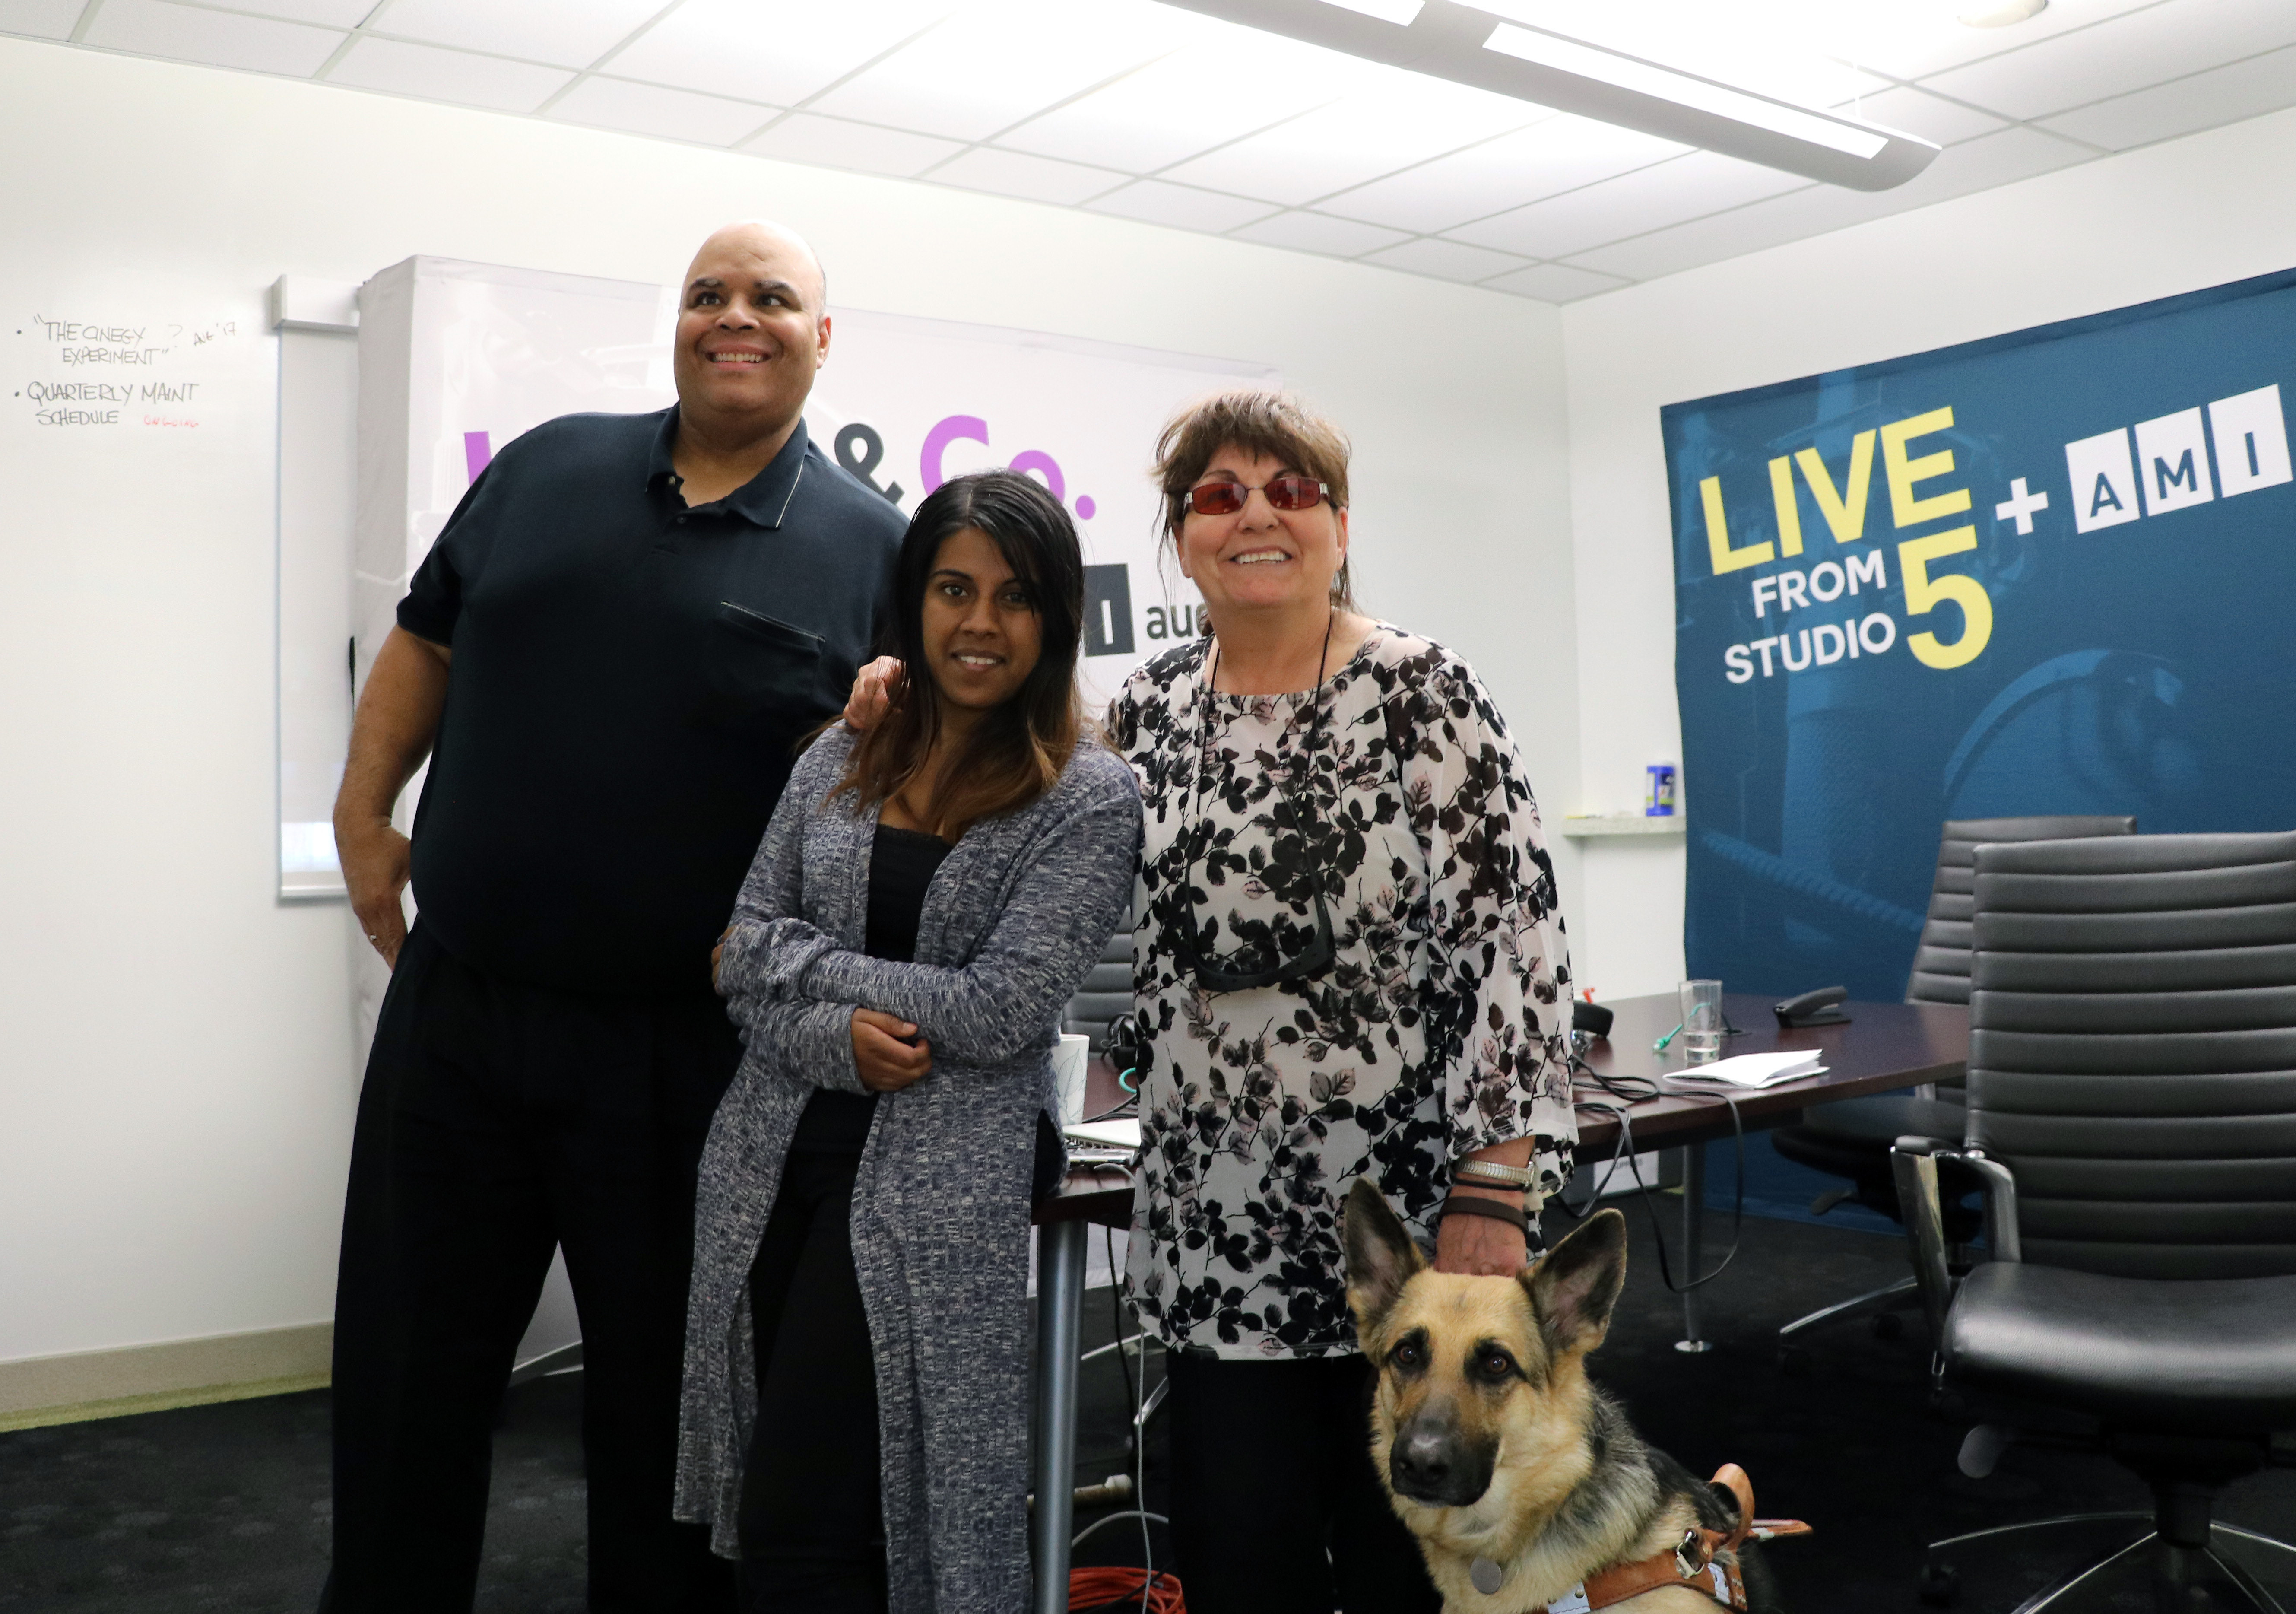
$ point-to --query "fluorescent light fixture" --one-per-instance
(1631, 73)
(1483, 46)
(1401, 13)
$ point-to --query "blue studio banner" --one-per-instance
(2046, 573)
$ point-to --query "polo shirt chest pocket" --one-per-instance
(765, 675)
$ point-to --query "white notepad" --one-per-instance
(1751, 1071)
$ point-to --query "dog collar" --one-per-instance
(1703, 1561)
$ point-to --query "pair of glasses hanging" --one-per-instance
(1224, 976)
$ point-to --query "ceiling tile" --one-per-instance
(443, 75)
(1401, 119)
(1181, 206)
(1648, 199)
(2125, 53)
(327, 14)
(1974, 165)
(649, 109)
(992, 66)
(2224, 95)
(566, 33)
(1555, 283)
(1913, 112)
(1018, 174)
(40, 19)
(1559, 155)
(1445, 260)
(151, 28)
(1175, 108)
(775, 51)
(833, 143)
(1909, 40)
(1318, 233)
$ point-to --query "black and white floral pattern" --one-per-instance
(1442, 1026)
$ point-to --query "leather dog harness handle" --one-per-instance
(1697, 1560)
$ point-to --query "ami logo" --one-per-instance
(2169, 469)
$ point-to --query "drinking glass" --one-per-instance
(1701, 1020)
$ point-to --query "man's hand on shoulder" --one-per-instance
(873, 689)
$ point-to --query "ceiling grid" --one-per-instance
(1142, 110)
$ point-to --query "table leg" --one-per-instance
(1693, 1246)
(1059, 1302)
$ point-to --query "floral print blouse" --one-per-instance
(1441, 1026)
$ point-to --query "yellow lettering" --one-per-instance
(1905, 472)
(1844, 512)
(1924, 591)
(1782, 494)
(1718, 535)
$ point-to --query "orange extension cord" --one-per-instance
(1118, 1587)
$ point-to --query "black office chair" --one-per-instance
(2132, 1113)
(1851, 1138)
(1106, 992)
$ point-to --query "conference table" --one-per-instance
(1884, 1047)
(1881, 1048)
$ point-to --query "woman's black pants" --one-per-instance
(813, 1534)
(812, 1519)
(1276, 1507)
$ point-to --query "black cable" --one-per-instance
(1116, 1317)
(1622, 1088)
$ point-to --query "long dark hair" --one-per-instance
(1017, 751)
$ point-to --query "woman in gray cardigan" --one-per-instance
(861, 1240)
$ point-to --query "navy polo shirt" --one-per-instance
(631, 682)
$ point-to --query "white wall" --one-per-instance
(176, 1081)
(2193, 213)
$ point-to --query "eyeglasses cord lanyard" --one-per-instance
(1198, 832)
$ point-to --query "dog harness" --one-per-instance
(1697, 1560)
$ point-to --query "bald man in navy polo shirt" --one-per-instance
(609, 657)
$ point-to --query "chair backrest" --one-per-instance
(2132, 1052)
(1106, 992)
(1941, 963)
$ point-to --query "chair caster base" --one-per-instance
(1939, 1586)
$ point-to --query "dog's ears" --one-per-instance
(1381, 1255)
(1574, 1285)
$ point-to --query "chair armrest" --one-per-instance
(2001, 1241)
(1913, 1161)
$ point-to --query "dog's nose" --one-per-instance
(1420, 1463)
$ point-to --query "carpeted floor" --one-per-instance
(225, 1507)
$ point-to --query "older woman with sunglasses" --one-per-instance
(1349, 963)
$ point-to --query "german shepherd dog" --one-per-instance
(1520, 1479)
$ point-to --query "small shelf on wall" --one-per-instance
(1583, 827)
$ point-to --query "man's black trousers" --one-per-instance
(500, 1120)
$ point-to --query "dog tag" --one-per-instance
(1574, 1601)
(1487, 1576)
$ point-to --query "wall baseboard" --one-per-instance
(37, 1391)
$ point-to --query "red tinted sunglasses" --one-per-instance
(1283, 493)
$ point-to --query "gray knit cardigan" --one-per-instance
(1012, 920)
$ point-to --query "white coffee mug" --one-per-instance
(1069, 1062)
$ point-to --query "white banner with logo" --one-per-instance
(456, 358)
